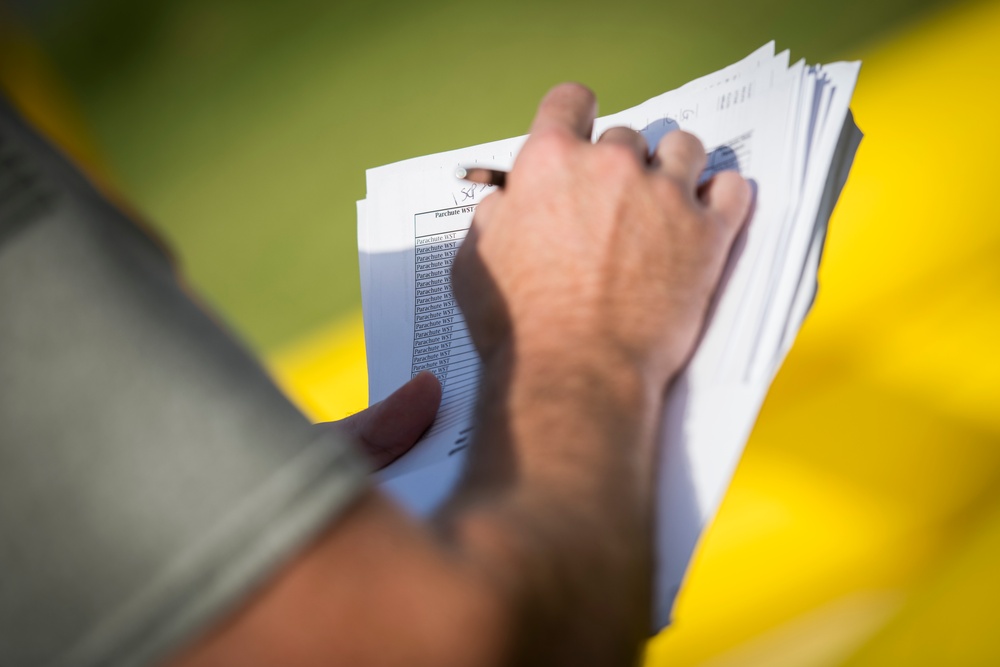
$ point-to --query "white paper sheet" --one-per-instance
(786, 127)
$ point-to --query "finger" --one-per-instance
(729, 196)
(629, 138)
(568, 106)
(483, 176)
(388, 429)
(680, 156)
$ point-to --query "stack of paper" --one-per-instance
(786, 127)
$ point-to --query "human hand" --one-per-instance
(389, 428)
(593, 252)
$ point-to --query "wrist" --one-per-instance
(557, 500)
(571, 404)
(575, 366)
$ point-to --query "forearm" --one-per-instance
(556, 504)
(584, 283)
(542, 556)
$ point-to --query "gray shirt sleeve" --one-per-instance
(150, 472)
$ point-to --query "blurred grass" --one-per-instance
(244, 129)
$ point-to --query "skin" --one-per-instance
(585, 284)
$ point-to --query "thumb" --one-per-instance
(390, 428)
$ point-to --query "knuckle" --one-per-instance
(619, 157)
(618, 133)
(728, 182)
(690, 142)
(551, 141)
(574, 90)
(729, 196)
(683, 145)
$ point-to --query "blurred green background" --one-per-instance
(243, 129)
(862, 527)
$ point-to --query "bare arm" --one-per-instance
(585, 284)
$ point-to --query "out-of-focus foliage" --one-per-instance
(243, 129)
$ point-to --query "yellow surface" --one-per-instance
(861, 527)
(325, 373)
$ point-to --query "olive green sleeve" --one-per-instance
(150, 472)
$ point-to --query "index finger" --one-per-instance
(570, 106)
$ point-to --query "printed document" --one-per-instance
(786, 126)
